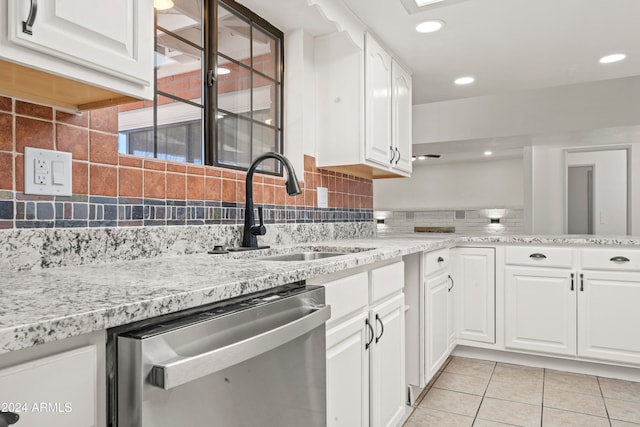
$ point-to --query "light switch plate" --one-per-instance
(323, 197)
(47, 172)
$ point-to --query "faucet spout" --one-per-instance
(249, 239)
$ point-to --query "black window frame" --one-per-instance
(210, 80)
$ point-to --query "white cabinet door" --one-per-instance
(388, 394)
(452, 336)
(540, 310)
(106, 36)
(377, 103)
(609, 316)
(436, 322)
(401, 118)
(474, 275)
(348, 373)
(54, 391)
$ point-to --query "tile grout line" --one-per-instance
(604, 402)
(544, 377)
(495, 364)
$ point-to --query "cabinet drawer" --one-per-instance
(542, 256)
(386, 280)
(611, 259)
(436, 261)
(347, 295)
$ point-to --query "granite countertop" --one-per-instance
(46, 305)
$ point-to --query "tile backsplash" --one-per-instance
(468, 221)
(113, 190)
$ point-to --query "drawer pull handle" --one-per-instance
(27, 26)
(451, 279)
(537, 256)
(366, 322)
(619, 259)
(440, 259)
(381, 328)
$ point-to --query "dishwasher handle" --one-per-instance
(186, 369)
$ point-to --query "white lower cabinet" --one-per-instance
(609, 316)
(540, 310)
(474, 275)
(365, 348)
(388, 400)
(348, 373)
(438, 305)
(59, 384)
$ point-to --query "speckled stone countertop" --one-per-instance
(40, 306)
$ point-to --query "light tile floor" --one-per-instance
(479, 393)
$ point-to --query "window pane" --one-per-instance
(179, 68)
(234, 140)
(265, 100)
(179, 127)
(264, 140)
(234, 90)
(234, 36)
(140, 143)
(265, 53)
(183, 19)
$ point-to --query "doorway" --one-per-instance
(580, 199)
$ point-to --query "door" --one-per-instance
(436, 322)
(608, 316)
(388, 393)
(451, 315)
(111, 37)
(580, 199)
(401, 117)
(474, 275)
(540, 310)
(348, 373)
(377, 103)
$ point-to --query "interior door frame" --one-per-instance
(628, 150)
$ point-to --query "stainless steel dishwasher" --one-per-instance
(256, 361)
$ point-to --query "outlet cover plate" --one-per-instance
(40, 169)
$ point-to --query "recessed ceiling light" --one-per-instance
(422, 157)
(464, 80)
(488, 153)
(421, 3)
(430, 26)
(222, 71)
(612, 58)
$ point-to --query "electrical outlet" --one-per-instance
(47, 172)
(41, 179)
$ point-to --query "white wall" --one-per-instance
(466, 185)
(609, 188)
(603, 104)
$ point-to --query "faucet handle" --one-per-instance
(259, 230)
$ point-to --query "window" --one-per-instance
(225, 114)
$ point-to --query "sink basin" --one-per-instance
(302, 256)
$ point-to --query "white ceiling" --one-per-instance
(507, 45)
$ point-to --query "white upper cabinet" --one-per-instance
(402, 113)
(97, 52)
(363, 108)
(378, 104)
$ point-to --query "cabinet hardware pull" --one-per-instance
(27, 26)
(571, 281)
(619, 259)
(393, 155)
(372, 334)
(381, 328)
(398, 159)
(537, 256)
(581, 282)
(440, 259)
(450, 278)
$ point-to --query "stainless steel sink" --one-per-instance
(302, 256)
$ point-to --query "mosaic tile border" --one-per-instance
(28, 211)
